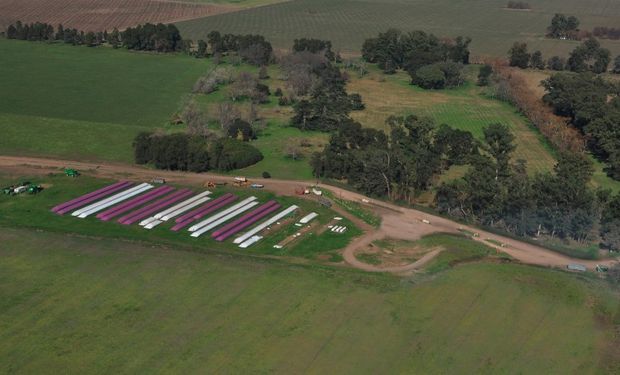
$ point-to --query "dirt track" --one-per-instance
(397, 222)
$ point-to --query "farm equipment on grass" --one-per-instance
(34, 189)
(71, 172)
(23, 187)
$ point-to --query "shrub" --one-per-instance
(266, 175)
(228, 154)
(185, 152)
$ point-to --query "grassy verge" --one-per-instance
(356, 210)
(456, 249)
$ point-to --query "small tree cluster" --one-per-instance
(588, 56)
(399, 165)
(393, 50)
(439, 75)
(253, 49)
(563, 27)
(191, 153)
(315, 46)
(594, 108)
(150, 37)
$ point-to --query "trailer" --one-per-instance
(265, 224)
(223, 219)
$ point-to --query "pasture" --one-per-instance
(76, 304)
(347, 23)
(466, 108)
(86, 103)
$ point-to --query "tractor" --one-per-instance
(71, 172)
(34, 189)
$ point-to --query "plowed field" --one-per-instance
(96, 15)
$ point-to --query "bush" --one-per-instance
(430, 77)
(241, 130)
(266, 175)
(185, 152)
(278, 92)
(228, 154)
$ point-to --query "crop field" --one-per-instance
(86, 103)
(348, 22)
(76, 304)
(466, 108)
(33, 211)
(100, 15)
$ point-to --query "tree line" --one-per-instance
(431, 62)
(593, 107)
(40, 32)
(398, 165)
(588, 56)
(253, 49)
(186, 152)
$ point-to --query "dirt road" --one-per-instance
(397, 222)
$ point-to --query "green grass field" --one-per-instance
(466, 108)
(75, 304)
(348, 22)
(86, 103)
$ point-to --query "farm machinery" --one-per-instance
(72, 172)
(23, 187)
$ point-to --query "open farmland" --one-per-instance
(348, 22)
(59, 100)
(75, 304)
(466, 108)
(99, 15)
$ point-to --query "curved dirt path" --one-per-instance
(397, 222)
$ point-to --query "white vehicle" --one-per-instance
(426, 221)
(317, 192)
